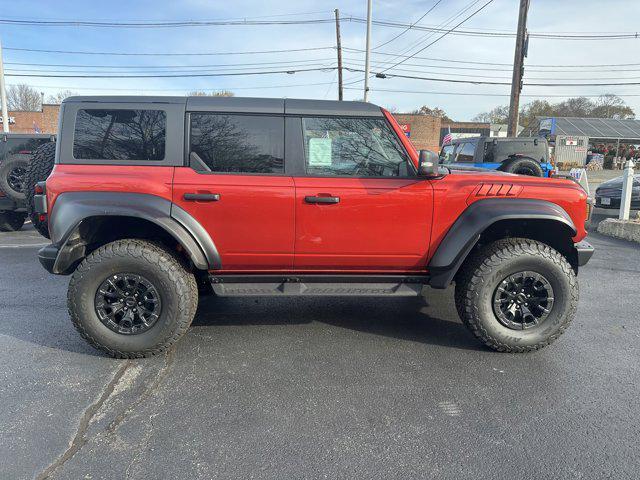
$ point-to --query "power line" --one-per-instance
(125, 67)
(26, 70)
(471, 62)
(168, 54)
(475, 75)
(248, 22)
(187, 75)
(441, 36)
(484, 82)
(486, 94)
(424, 38)
(68, 87)
(409, 27)
(178, 24)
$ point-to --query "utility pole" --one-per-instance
(339, 47)
(518, 69)
(368, 54)
(3, 95)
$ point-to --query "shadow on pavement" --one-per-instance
(410, 319)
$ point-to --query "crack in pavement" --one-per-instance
(168, 361)
(79, 439)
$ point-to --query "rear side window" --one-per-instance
(359, 147)
(465, 152)
(238, 143)
(120, 135)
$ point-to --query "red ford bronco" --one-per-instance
(155, 200)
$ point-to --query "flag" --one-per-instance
(36, 129)
(447, 138)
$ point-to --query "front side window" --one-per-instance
(465, 152)
(359, 147)
(446, 155)
(120, 135)
(238, 143)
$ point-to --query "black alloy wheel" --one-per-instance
(523, 300)
(128, 304)
(15, 179)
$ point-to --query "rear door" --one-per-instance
(359, 205)
(237, 188)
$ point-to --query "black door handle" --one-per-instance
(201, 197)
(328, 200)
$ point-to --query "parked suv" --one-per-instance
(16, 151)
(155, 199)
(521, 155)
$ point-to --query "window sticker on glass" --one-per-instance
(319, 152)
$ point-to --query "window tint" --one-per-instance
(360, 147)
(465, 152)
(446, 155)
(120, 135)
(238, 143)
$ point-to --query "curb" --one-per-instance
(627, 230)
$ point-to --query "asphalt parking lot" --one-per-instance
(317, 388)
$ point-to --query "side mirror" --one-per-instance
(428, 164)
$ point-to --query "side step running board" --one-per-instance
(318, 285)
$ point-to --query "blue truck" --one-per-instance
(520, 155)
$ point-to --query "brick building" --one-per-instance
(426, 132)
(45, 120)
(422, 130)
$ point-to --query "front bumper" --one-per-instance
(584, 251)
(615, 202)
(47, 257)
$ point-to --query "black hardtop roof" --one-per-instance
(245, 104)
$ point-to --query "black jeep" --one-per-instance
(18, 175)
(522, 155)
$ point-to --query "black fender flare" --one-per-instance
(72, 208)
(480, 215)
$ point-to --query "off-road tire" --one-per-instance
(176, 286)
(523, 166)
(11, 221)
(40, 167)
(485, 269)
(9, 165)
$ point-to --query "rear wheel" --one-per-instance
(132, 299)
(12, 176)
(524, 166)
(40, 167)
(11, 221)
(516, 295)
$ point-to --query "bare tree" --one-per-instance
(23, 97)
(60, 96)
(220, 93)
(434, 112)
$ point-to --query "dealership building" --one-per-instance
(573, 137)
(44, 120)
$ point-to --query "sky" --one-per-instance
(548, 61)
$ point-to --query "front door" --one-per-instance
(360, 206)
(237, 189)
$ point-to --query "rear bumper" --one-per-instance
(584, 251)
(47, 257)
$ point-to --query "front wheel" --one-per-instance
(516, 295)
(132, 299)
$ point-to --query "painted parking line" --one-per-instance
(34, 245)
